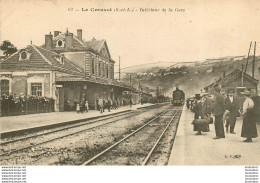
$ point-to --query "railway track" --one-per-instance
(64, 128)
(173, 117)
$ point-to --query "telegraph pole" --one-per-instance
(130, 87)
(119, 69)
(242, 81)
(253, 65)
(139, 91)
(130, 79)
(248, 56)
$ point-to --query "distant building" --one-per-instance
(236, 81)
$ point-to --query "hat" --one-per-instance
(246, 92)
(197, 96)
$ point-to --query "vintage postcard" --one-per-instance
(111, 82)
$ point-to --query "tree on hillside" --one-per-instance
(162, 72)
(8, 48)
(178, 69)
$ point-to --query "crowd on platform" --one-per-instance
(102, 105)
(12, 105)
(223, 109)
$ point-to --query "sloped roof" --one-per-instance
(40, 59)
(231, 77)
(70, 78)
(77, 43)
(97, 45)
(93, 45)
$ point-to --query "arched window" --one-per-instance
(24, 55)
(99, 68)
(104, 70)
(107, 71)
(112, 72)
(93, 65)
(60, 43)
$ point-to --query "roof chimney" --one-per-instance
(48, 41)
(56, 33)
(68, 41)
(79, 34)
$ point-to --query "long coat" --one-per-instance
(209, 106)
(200, 111)
(249, 129)
(219, 105)
(232, 107)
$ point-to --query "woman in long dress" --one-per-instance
(249, 130)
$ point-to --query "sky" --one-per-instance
(206, 29)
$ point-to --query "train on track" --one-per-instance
(178, 97)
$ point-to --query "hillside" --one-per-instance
(191, 78)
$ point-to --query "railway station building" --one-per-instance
(66, 68)
(237, 81)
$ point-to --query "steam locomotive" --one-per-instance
(178, 97)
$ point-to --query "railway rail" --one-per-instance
(64, 128)
(108, 149)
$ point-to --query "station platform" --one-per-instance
(22, 122)
(191, 149)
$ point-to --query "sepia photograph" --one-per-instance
(129, 83)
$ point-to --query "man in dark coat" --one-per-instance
(200, 125)
(188, 103)
(231, 106)
(219, 109)
(108, 105)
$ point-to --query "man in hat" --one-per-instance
(219, 109)
(249, 130)
(231, 105)
(197, 113)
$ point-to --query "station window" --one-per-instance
(23, 55)
(99, 69)
(36, 89)
(59, 43)
(104, 69)
(4, 87)
(112, 72)
(93, 65)
(107, 71)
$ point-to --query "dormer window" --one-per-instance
(60, 43)
(24, 55)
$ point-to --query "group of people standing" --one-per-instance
(225, 109)
(109, 104)
(82, 106)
